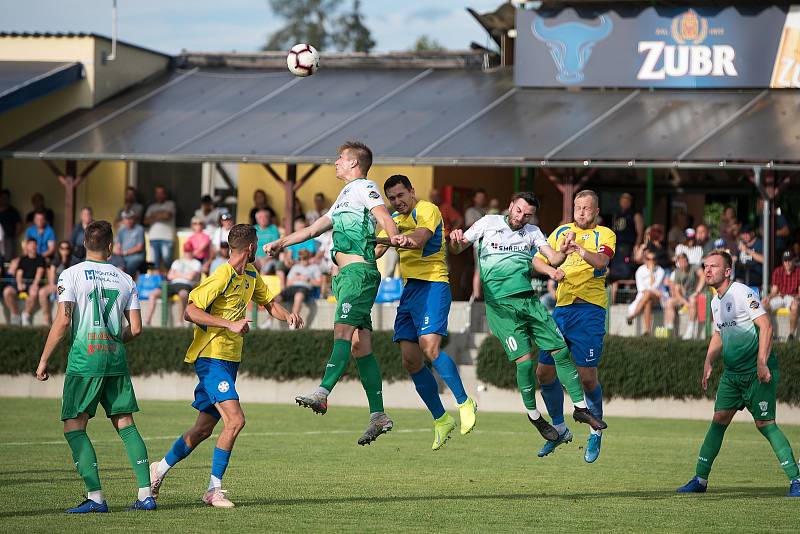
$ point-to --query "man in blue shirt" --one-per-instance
(43, 234)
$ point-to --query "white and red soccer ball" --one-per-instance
(303, 60)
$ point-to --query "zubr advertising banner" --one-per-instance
(659, 47)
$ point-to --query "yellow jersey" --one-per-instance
(581, 280)
(224, 293)
(427, 263)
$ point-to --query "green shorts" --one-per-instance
(355, 289)
(520, 321)
(736, 392)
(83, 393)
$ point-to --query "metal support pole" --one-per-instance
(164, 303)
(766, 216)
(648, 214)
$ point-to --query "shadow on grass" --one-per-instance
(714, 495)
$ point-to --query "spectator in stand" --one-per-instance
(29, 270)
(325, 262)
(132, 205)
(160, 217)
(37, 200)
(64, 258)
(79, 231)
(703, 238)
(208, 213)
(223, 254)
(303, 277)
(320, 208)
(628, 225)
(691, 249)
(129, 243)
(266, 232)
(260, 202)
(183, 276)
(782, 232)
(750, 259)
(471, 216)
(684, 285)
(451, 218)
(654, 242)
(11, 223)
(729, 227)
(310, 245)
(200, 242)
(494, 207)
(649, 291)
(785, 290)
(677, 232)
(43, 234)
(220, 233)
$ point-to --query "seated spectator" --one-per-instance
(29, 270)
(654, 242)
(691, 249)
(37, 200)
(65, 258)
(649, 290)
(208, 213)
(494, 207)
(200, 242)
(131, 204)
(266, 232)
(223, 253)
(160, 217)
(750, 258)
(129, 243)
(260, 202)
(303, 277)
(729, 227)
(44, 236)
(183, 276)
(320, 208)
(78, 232)
(324, 260)
(784, 291)
(310, 245)
(684, 286)
(11, 223)
(703, 238)
(220, 233)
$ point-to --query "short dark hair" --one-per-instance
(479, 190)
(726, 257)
(528, 197)
(98, 236)
(397, 179)
(241, 235)
(361, 152)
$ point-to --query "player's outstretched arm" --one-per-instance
(61, 325)
(458, 243)
(714, 350)
(282, 314)
(764, 346)
(542, 267)
(320, 226)
(203, 318)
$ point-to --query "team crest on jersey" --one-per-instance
(521, 233)
(728, 307)
(246, 284)
(223, 386)
(754, 305)
(60, 289)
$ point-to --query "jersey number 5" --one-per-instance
(110, 296)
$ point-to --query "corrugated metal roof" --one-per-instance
(23, 81)
(423, 116)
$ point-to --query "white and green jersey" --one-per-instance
(102, 294)
(505, 255)
(353, 222)
(733, 319)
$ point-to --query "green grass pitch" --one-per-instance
(294, 471)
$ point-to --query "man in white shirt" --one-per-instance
(649, 291)
(183, 275)
(160, 217)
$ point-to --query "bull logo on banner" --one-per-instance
(571, 44)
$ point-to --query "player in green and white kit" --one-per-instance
(353, 217)
(505, 245)
(93, 299)
(743, 335)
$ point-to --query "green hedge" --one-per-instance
(269, 354)
(648, 368)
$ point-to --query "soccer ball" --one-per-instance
(303, 60)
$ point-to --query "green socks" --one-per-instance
(85, 458)
(710, 449)
(371, 380)
(568, 375)
(137, 454)
(782, 450)
(526, 383)
(337, 364)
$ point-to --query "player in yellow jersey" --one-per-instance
(422, 314)
(217, 307)
(580, 313)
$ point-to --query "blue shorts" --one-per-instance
(423, 310)
(217, 384)
(583, 327)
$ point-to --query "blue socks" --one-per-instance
(428, 391)
(219, 464)
(178, 452)
(594, 401)
(553, 395)
(447, 369)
